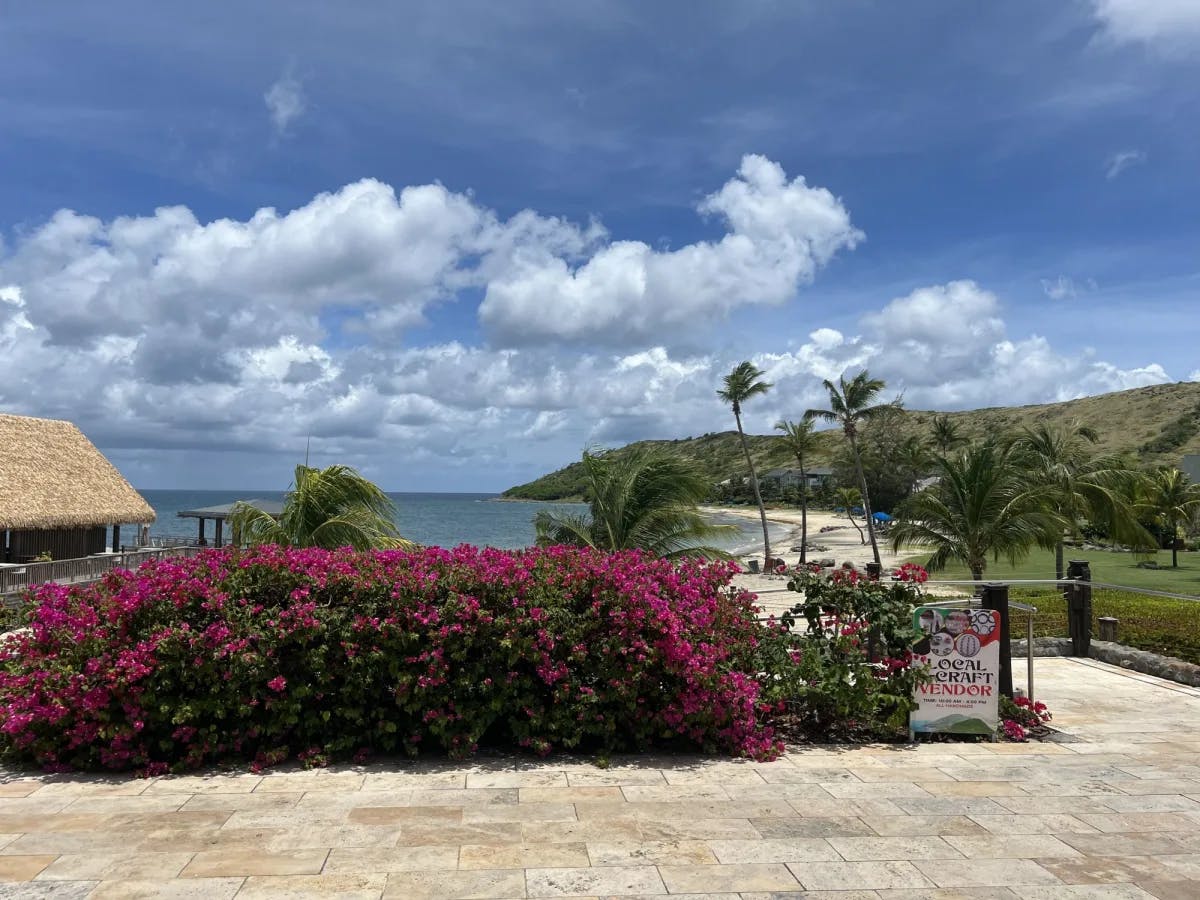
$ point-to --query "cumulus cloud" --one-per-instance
(778, 233)
(1119, 162)
(1060, 288)
(1167, 23)
(285, 102)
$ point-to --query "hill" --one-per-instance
(1159, 423)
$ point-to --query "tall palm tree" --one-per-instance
(744, 382)
(1173, 501)
(848, 498)
(914, 459)
(801, 440)
(643, 498)
(331, 507)
(1079, 485)
(981, 506)
(946, 434)
(849, 406)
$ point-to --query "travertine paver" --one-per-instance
(1115, 813)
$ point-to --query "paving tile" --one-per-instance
(94, 787)
(698, 829)
(1169, 890)
(771, 850)
(842, 826)
(600, 830)
(916, 826)
(519, 812)
(967, 893)
(1134, 822)
(1011, 846)
(480, 885)
(1152, 803)
(795, 794)
(812, 776)
(205, 784)
(834, 876)
(524, 855)
(568, 794)
(856, 849)
(471, 798)
(1091, 892)
(326, 836)
(241, 802)
(831, 808)
(25, 822)
(24, 868)
(954, 806)
(253, 861)
(885, 790)
(108, 866)
(726, 878)
(679, 793)
(534, 778)
(691, 810)
(986, 873)
(403, 815)
(1124, 844)
(309, 782)
(1185, 865)
(447, 833)
(1042, 806)
(1089, 788)
(313, 887)
(607, 880)
(650, 853)
(47, 890)
(365, 860)
(1107, 869)
(20, 788)
(1047, 824)
(33, 805)
(393, 781)
(915, 774)
(172, 889)
(617, 777)
(1165, 786)
(742, 775)
(6, 839)
(73, 842)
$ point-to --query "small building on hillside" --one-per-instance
(789, 479)
(1190, 466)
(58, 494)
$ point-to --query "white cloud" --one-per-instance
(778, 234)
(285, 102)
(1119, 162)
(1166, 23)
(1060, 288)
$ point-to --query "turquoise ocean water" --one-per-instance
(444, 520)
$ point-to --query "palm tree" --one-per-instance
(981, 506)
(849, 497)
(1080, 486)
(744, 382)
(946, 434)
(802, 442)
(641, 498)
(1173, 501)
(914, 460)
(849, 406)
(331, 507)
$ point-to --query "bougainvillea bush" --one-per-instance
(272, 654)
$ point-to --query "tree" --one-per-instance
(744, 382)
(849, 406)
(642, 498)
(331, 507)
(801, 440)
(946, 434)
(981, 506)
(848, 498)
(914, 460)
(1080, 486)
(1173, 501)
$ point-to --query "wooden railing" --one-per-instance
(80, 571)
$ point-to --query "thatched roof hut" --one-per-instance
(53, 479)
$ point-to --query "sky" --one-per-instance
(456, 244)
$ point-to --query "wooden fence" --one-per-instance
(14, 579)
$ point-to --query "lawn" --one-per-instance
(1107, 566)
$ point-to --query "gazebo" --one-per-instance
(58, 493)
(221, 512)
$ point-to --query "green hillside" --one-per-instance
(1159, 423)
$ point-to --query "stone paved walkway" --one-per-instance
(1115, 814)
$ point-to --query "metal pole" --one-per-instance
(1029, 653)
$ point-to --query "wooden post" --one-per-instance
(995, 597)
(217, 541)
(200, 540)
(1108, 628)
(116, 541)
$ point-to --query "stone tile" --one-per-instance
(25, 822)
(47, 890)
(1107, 869)
(987, 873)
(969, 893)
(534, 778)
(569, 794)
(1152, 803)
(1091, 892)
(519, 812)
(205, 784)
(173, 889)
(1135, 822)
(1047, 824)
(1169, 890)
(855, 849)
(1096, 789)
(825, 809)
(56, 842)
(617, 777)
(1011, 846)
(916, 826)
(109, 866)
(447, 833)
(393, 781)
(6, 839)
(326, 836)
(313, 887)
(403, 815)
(480, 885)
(771, 850)
(668, 793)
(33, 805)
(1139, 786)
(811, 776)
(834, 876)
(699, 829)
(360, 860)
(741, 775)
(691, 810)
(1185, 865)
(241, 802)
(650, 853)
(915, 774)
(520, 856)
(954, 806)
(885, 790)
(842, 826)
(972, 788)
(472, 798)
(725, 878)
(1124, 844)
(114, 805)
(24, 868)
(252, 861)
(20, 788)
(309, 782)
(614, 880)
(94, 787)
(795, 794)
(1042, 806)
(609, 830)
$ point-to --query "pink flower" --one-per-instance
(277, 684)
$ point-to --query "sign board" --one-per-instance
(961, 647)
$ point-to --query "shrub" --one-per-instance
(277, 653)
(847, 671)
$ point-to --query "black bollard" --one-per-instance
(1079, 606)
(995, 596)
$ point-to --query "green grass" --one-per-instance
(1114, 568)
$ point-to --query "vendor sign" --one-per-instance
(961, 647)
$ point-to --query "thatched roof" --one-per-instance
(51, 476)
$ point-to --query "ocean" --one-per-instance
(443, 520)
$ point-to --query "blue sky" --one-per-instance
(458, 242)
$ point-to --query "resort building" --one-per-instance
(59, 496)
